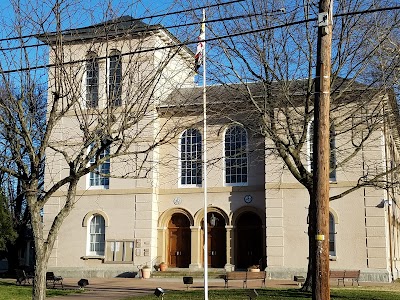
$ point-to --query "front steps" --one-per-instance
(180, 272)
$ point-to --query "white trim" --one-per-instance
(88, 235)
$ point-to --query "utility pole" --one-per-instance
(320, 282)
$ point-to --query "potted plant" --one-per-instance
(254, 268)
(146, 271)
(163, 266)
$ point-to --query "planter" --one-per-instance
(163, 267)
(254, 270)
(146, 273)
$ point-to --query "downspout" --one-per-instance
(386, 139)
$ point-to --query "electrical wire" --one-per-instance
(183, 44)
(136, 19)
(146, 29)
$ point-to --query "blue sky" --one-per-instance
(83, 12)
(75, 14)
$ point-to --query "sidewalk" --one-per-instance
(119, 288)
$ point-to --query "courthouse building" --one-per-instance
(257, 211)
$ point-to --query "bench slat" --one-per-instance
(341, 275)
(245, 276)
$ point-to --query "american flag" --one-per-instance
(200, 46)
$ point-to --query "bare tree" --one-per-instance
(269, 53)
(88, 118)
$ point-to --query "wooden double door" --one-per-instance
(216, 240)
(179, 241)
(249, 240)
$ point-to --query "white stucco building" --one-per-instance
(258, 209)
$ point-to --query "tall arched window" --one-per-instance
(92, 81)
(236, 155)
(332, 160)
(97, 235)
(191, 157)
(332, 235)
(114, 79)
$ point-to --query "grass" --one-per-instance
(281, 294)
(10, 291)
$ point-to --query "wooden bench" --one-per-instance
(245, 276)
(22, 277)
(341, 275)
(51, 278)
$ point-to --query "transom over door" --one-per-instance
(179, 241)
(249, 241)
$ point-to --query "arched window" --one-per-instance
(332, 235)
(100, 176)
(332, 160)
(114, 79)
(191, 157)
(97, 234)
(92, 81)
(236, 156)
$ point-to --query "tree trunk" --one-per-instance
(39, 285)
(312, 219)
(42, 249)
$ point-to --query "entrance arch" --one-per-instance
(249, 240)
(216, 239)
(179, 237)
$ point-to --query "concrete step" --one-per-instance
(179, 272)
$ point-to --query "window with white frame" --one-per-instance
(114, 79)
(99, 177)
(97, 235)
(332, 235)
(92, 81)
(332, 160)
(191, 157)
(236, 156)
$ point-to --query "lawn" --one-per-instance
(10, 291)
(286, 294)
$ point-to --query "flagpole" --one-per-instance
(205, 162)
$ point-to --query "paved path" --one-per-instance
(120, 288)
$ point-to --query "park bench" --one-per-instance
(245, 276)
(22, 277)
(341, 275)
(51, 278)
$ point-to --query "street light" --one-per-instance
(159, 292)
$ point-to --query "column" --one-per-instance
(230, 246)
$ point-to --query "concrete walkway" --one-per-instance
(120, 288)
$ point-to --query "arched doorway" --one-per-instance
(216, 240)
(179, 241)
(249, 240)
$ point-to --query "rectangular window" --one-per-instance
(236, 156)
(92, 83)
(100, 176)
(115, 76)
(191, 158)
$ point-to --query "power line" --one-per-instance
(183, 44)
(146, 29)
(136, 19)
